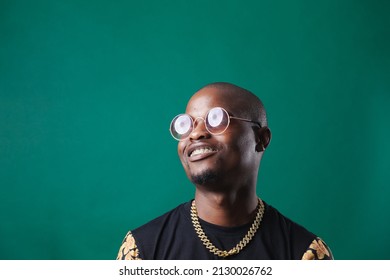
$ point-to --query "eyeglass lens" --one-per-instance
(216, 122)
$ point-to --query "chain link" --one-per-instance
(235, 250)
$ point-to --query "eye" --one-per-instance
(215, 117)
(182, 124)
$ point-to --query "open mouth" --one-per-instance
(201, 151)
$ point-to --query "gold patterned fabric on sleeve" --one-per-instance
(318, 250)
(128, 250)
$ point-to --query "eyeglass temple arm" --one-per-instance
(246, 120)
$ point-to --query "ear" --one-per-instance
(263, 138)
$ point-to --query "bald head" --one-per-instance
(246, 104)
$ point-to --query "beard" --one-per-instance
(206, 177)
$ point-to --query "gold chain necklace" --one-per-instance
(236, 249)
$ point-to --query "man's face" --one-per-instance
(218, 160)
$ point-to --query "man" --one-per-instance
(221, 140)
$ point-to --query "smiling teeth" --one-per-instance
(201, 151)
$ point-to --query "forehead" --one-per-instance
(207, 98)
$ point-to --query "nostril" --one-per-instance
(198, 137)
(199, 132)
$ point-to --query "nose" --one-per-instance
(199, 131)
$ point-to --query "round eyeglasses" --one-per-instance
(217, 120)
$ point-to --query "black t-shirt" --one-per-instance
(172, 237)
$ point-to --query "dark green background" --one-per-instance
(88, 89)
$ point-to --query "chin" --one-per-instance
(204, 178)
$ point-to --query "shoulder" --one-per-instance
(141, 241)
(302, 243)
(128, 249)
(171, 217)
(281, 223)
(318, 250)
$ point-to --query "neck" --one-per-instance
(226, 209)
